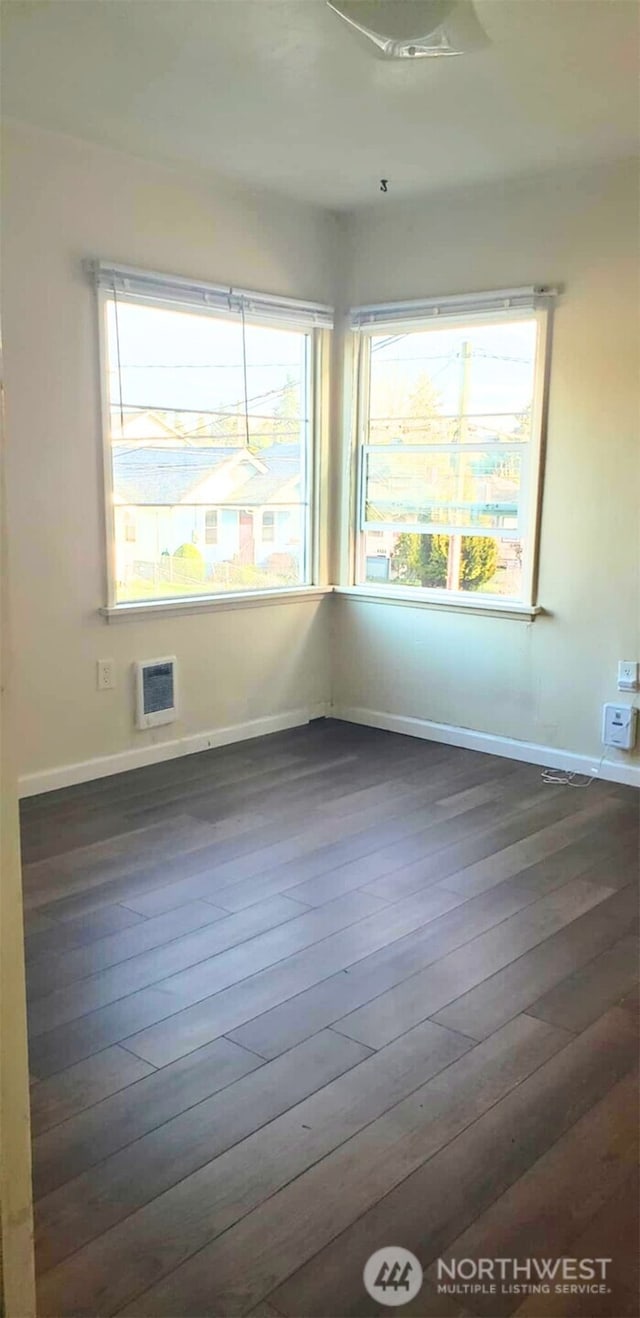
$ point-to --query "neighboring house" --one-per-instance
(146, 427)
(234, 505)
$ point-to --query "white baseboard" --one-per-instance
(103, 766)
(529, 751)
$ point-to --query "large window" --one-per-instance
(450, 418)
(209, 418)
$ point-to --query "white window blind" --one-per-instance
(460, 307)
(172, 290)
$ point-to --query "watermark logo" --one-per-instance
(527, 1276)
(393, 1275)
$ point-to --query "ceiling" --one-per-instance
(278, 93)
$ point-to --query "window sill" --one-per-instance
(423, 600)
(246, 599)
(250, 599)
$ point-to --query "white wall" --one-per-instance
(65, 201)
(542, 682)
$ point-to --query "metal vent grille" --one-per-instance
(156, 692)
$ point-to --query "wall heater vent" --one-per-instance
(156, 692)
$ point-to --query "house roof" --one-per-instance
(172, 476)
(155, 422)
(164, 475)
(282, 462)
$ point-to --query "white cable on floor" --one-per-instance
(567, 778)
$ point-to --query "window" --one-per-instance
(209, 414)
(449, 429)
(211, 527)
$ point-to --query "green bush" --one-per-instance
(189, 551)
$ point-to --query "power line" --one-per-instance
(206, 366)
(455, 354)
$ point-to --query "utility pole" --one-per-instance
(455, 541)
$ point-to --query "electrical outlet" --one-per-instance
(105, 677)
(627, 675)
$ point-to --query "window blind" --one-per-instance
(495, 303)
(223, 299)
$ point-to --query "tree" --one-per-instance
(409, 417)
(421, 560)
(479, 560)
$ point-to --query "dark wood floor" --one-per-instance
(300, 998)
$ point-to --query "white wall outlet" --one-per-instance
(627, 675)
(619, 724)
(105, 675)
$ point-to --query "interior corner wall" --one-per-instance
(542, 682)
(64, 201)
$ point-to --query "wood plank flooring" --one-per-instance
(296, 999)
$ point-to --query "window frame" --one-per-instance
(315, 321)
(368, 323)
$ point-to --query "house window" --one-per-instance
(209, 401)
(268, 527)
(449, 445)
(211, 527)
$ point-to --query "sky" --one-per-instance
(500, 371)
(173, 359)
(168, 359)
